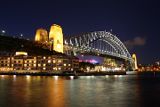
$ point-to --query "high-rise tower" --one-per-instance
(41, 35)
(56, 38)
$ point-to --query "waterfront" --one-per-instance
(85, 91)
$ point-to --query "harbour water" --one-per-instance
(84, 91)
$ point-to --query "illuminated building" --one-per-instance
(56, 38)
(135, 61)
(41, 35)
(48, 63)
(21, 53)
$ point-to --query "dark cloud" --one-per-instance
(137, 41)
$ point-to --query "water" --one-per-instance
(89, 91)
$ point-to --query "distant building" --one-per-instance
(49, 63)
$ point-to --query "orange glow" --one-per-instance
(56, 37)
(41, 35)
(21, 53)
(135, 61)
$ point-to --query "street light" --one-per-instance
(3, 32)
(21, 35)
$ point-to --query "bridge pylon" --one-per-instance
(135, 66)
(56, 38)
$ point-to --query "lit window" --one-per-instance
(69, 64)
(44, 64)
(34, 65)
(59, 61)
(49, 61)
(55, 68)
(44, 57)
(64, 64)
(54, 61)
(44, 68)
(39, 65)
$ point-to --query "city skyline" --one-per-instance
(135, 23)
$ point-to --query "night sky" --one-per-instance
(135, 22)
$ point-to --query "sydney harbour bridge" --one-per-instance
(98, 42)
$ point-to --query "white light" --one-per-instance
(92, 76)
(107, 76)
(56, 77)
(103, 68)
(49, 61)
(120, 75)
(71, 77)
(28, 76)
(117, 69)
(2, 76)
(88, 77)
(14, 76)
(21, 35)
(115, 75)
(3, 31)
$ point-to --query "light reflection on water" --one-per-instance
(85, 91)
(55, 77)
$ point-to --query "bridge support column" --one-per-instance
(56, 36)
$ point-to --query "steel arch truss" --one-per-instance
(101, 42)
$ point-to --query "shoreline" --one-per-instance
(64, 74)
(146, 73)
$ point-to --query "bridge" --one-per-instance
(99, 42)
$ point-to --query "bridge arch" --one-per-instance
(84, 42)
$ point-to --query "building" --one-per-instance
(48, 63)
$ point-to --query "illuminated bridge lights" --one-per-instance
(102, 42)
